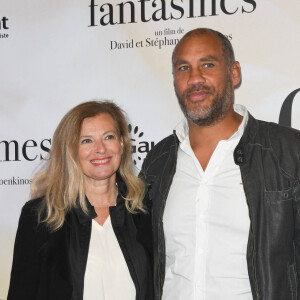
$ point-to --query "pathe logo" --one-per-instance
(140, 147)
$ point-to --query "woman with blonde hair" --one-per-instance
(79, 237)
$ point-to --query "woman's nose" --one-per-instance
(100, 147)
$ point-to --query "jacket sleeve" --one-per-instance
(297, 238)
(25, 267)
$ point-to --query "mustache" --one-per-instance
(197, 88)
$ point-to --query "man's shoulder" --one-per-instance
(163, 147)
(263, 132)
(161, 150)
(281, 129)
(279, 132)
(165, 144)
(283, 141)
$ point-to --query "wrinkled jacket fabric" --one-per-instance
(51, 266)
(269, 159)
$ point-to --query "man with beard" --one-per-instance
(225, 188)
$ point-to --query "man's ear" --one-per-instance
(236, 75)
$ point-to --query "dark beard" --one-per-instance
(213, 114)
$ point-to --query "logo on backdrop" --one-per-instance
(4, 26)
(140, 147)
(162, 10)
(13, 151)
(285, 117)
(30, 150)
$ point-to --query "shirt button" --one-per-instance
(202, 183)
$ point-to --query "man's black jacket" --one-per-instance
(269, 160)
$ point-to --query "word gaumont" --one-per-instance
(162, 10)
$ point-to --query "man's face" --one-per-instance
(202, 79)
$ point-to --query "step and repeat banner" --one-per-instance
(57, 54)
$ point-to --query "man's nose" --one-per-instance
(196, 76)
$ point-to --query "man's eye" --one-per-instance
(86, 141)
(183, 68)
(208, 65)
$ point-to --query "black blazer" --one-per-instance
(51, 266)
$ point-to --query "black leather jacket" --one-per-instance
(269, 160)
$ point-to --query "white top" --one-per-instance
(107, 276)
(206, 224)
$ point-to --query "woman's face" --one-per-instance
(100, 148)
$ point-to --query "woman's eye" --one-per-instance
(86, 141)
(110, 137)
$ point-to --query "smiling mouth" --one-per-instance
(198, 95)
(103, 161)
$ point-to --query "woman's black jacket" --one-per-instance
(51, 266)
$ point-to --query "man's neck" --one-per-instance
(204, 139)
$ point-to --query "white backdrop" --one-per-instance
(52, 59)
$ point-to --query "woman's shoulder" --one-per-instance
(31, 212)
(32, 206)
(30, 228)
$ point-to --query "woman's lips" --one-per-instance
(101, 161)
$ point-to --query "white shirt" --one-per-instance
(107, 276)
(206, 224)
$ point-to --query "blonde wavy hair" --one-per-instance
(61, 183)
